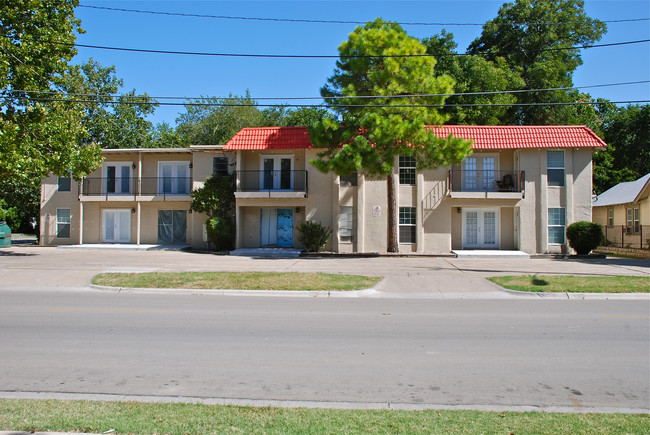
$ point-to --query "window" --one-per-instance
(555, 168)
(628, 220)
(64, 184)
(63, 223)
(556, 225)
(220, 166)
(173, 178)
(610, 217)
(406, 170)
(407, 223)
(349, 180)
(347, 224)
(636, 220)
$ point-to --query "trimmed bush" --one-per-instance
(221, 232)
(584, 236)
(313, 236)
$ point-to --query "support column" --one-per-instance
(137, 223)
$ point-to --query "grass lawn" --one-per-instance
(156, 418)
(237, 280)
(574, 284)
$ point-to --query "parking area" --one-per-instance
(32, 266)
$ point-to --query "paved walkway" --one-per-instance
(442, 277)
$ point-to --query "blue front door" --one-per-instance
(285, 227)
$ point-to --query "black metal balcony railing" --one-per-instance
(486, 181)
(266, 181)
(133, 186)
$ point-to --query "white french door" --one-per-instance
(277, 173)
(116, 226)
(479, 174)
(480, 228)
(117, 178)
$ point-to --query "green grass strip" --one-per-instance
(237, 280)
(574, 284)
(158, 418)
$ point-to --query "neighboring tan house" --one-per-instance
(624, 213)
(137, 196)
(518, 191)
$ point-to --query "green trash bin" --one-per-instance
(5, 235)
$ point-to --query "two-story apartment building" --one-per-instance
(137, 196)
(519, 190)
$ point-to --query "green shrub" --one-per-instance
(584, 236)
(221, 232)
(313, 236)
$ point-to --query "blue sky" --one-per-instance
(193, 76)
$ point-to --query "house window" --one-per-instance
(628, 220)
(636, 221)
(556, 225)
(64, 184)
(406, 170)
(555, 168)
(407, 223)
(63, 223)
(220, 166)
(610, 217)
(347, 224)
(349, 180)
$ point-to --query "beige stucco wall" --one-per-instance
(51, 199)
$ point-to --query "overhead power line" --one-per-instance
(194, 104)
(331, 56)
(312, 21)
(457, 94)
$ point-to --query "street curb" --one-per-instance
(372, 293)
(278, 403)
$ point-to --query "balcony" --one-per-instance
(134, 188)
(491, 184)
(271, 184)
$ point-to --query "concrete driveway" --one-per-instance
(40, 267)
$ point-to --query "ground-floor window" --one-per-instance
(610, 216)
(172, 226)
(556, 225)
(637, 220)
(407, 224)
(63, 223)
(346, 224)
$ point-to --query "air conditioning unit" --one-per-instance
(628, 230)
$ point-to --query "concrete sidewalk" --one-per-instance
(421, 276)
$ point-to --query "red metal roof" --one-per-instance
(270, 138)
(484, 137)
(526, 136)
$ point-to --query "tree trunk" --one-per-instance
(393, 241)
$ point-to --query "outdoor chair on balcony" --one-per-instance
(506, 184)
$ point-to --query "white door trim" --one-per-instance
(117, 229)
(479, 242)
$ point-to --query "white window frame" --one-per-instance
(117, 177)
(636, 220)
(628, 219)
(555, 168)
(347, 224)
(610, 217)
(176, 183)
(412, 224)
(61, 222)
(549, 226)
(407, 170)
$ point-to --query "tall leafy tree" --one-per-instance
(214, 121)
(475, 75)
(39, 127)
(535, 37)
(110, 121)
(370, 133)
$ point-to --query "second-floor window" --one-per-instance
(220, 166)
(406, 170)
(63, 184)
(174, 178)
(555, 168)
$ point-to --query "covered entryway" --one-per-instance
(116, 226)
(480, 228)
(172, 227)
(276, 227)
